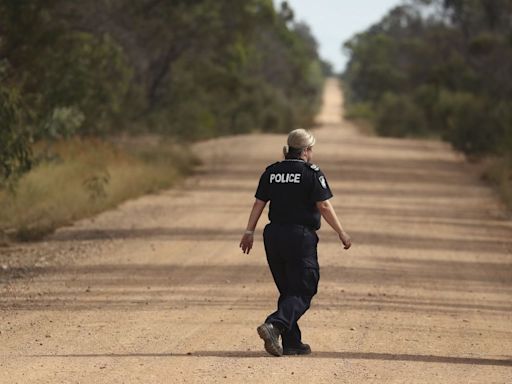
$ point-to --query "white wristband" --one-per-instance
(249, 232)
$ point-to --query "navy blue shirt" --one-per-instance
(293, 188)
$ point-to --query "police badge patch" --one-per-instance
(322, 182)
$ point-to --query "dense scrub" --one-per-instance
(186, 69)
(437, 67)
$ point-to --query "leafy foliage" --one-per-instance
(439, 67)
(15, 154)
(191, 69)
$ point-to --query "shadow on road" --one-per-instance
(147, 287)
(314, 355)
(367, 238)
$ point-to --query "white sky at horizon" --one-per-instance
(335, 21)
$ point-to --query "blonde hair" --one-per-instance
(299, 139)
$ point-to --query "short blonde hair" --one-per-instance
(299, 139)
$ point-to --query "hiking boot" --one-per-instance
(302, 349)
(270, 335)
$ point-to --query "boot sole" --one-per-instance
(271, 344)
(291, 352)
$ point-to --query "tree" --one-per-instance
(450, 68)
(187, 68)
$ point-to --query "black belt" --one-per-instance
(293, 225)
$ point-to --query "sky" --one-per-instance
(335, 21)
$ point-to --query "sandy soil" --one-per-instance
(157, 291)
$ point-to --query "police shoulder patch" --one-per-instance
(314, 167)
(323, 183)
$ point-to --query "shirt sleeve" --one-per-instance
(321, 190)
(263, 191)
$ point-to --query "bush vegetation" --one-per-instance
(441, 68)
(186, 69)
(180, 69)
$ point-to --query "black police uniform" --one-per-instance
(293, 188)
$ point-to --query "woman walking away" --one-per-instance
(299, 195)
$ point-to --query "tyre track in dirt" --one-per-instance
(161, 293)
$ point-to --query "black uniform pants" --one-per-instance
(292, 258)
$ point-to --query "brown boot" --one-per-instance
(270, 335)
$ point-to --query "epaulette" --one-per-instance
(314, 167)
(271, 165)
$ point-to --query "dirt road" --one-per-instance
(157, 290)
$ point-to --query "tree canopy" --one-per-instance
(440, 67)
(192, 69)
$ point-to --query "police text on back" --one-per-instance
(285, 178)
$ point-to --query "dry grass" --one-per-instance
(87, 177)
(498, 171)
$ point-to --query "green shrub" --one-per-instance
(399, 116)
(360, 111)
(468, 122)
(15, 151)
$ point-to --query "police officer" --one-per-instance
(299, 194)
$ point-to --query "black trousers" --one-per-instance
(292, 257)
